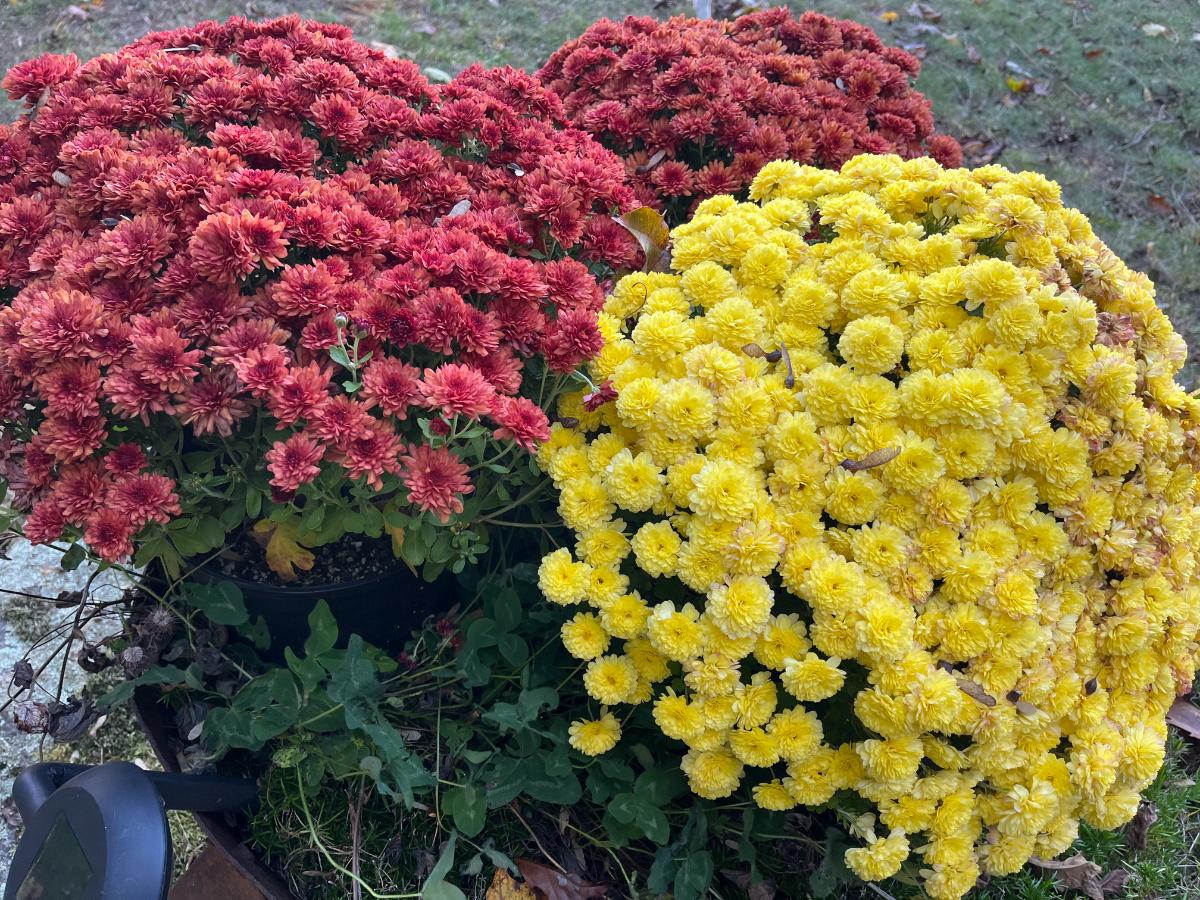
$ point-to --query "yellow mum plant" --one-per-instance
(896, 452)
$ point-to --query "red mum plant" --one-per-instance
(697, 107)
(260, 270)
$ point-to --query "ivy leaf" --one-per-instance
(436, 887)
(284, 545)
(220, 601)
(153, 675)
(322, 631)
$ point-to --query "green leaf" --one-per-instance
(354, 684)
(660, 786)
(308, 671)
(153, 675)
(436, 887)
(210, 532)
(468, 806)
(253, 503)
(258, 633)
(413, 551)
(624, 807)
(403, 768)
(220, 601)
(73, 558)
(322, 630)
(694, 876)
(506, 609)
(339, 355)
(832, 873)
(514, 650)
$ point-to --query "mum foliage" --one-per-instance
(902, 442)
(242, 247)
(696, 107)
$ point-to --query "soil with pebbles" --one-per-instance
(352, 558)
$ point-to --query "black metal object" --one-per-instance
(222, 829)
(100, 832)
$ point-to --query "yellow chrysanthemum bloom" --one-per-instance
(905, 443)
(595, 736)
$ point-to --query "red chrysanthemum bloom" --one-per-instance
(109, 532)
(213, 405)
(144, 498)
(696, 107)
(521, 420)
(329, 245)
(45, 522)
(371, 452)
(456, 390)
(391, 385)
(436, 480)
(300, 394)
(228, 246)
(294, 462)
(125, 459)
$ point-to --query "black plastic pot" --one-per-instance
(384, 609)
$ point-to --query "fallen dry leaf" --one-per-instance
(1138, 829)
(653, 161)
(1153, 29)
(284, 546)
(1185, 717)
(760, 890)
(1018, 85)
(1093, 52)
(1075, 873)
(925, 11)
(1159, 204)
(974, 690)
(872, 460)
(558, 885)
(1114, 882)
(978, 152)
(974, 55)
(505, 887)
(651, 230)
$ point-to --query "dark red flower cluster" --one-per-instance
(197, 230)
(696, 107)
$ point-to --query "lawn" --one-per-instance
(1103, 96)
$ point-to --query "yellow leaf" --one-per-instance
(397, 538)
(889, 16)
(651, 230)
(284, 548)
(505, 887)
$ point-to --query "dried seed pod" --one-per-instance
(31, 717)
(22, 674)
(134, 661)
